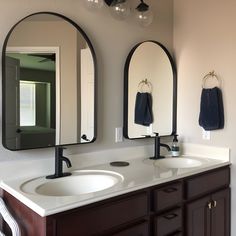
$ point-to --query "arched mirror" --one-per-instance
(49, 79)
(149, 92)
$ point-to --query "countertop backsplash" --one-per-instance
(23, 168)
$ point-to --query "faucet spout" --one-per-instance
(59, 158)
(67, 161)
(166, 146)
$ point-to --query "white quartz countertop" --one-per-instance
(141, 173)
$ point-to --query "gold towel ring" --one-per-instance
(210, 75)
(144, 83)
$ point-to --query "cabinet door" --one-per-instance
(220, 216)
(199, 217)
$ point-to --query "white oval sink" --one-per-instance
(178, 162)
(80, 182)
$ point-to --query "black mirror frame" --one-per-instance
(126, 86)
(4, 73)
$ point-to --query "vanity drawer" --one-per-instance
(95, 220)
(208, 182)
(169, 223)
(138, 230)
(168, 196)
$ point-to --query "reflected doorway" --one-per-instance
(37, 81)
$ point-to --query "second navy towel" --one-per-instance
(211, 109)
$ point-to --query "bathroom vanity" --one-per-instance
(191, 205)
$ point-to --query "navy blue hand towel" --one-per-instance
(211, 109)
(221, 109)
(143, 109)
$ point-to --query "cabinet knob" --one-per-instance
(214, 203)
(209, 205)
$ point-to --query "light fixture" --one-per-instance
(120, 9)
(143, 14)
(94, 4)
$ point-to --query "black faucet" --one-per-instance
(157, 146)
(84, 137)
(59, 158)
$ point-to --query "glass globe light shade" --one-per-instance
(120, 11)
(143, 15)
(94, 4)
(144, 18)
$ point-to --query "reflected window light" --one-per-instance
(27, 103)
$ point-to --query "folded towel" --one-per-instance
(143, 109)
(9, 219)
(211, 115)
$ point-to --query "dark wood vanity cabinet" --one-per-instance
(106, 218)
(193, 206)
(167, 209)
(208, 215)
(169, 223)
(141, 229)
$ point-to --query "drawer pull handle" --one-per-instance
(170, 190)
(170, 216)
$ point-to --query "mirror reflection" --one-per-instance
(150, 92)
(48, 84)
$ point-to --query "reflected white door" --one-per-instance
(12, 103)
(87, 94)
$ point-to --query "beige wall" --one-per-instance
(112, 40)
(205, 40)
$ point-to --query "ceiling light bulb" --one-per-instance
(94, 4)
(143, 15)
(120, 10)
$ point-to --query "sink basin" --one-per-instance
(80, 182)
(178, 162)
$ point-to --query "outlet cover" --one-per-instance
(206, 135)
(119, 134)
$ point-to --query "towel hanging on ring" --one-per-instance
(211, 115)
(143, 105)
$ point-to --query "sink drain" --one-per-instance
(119, 163)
